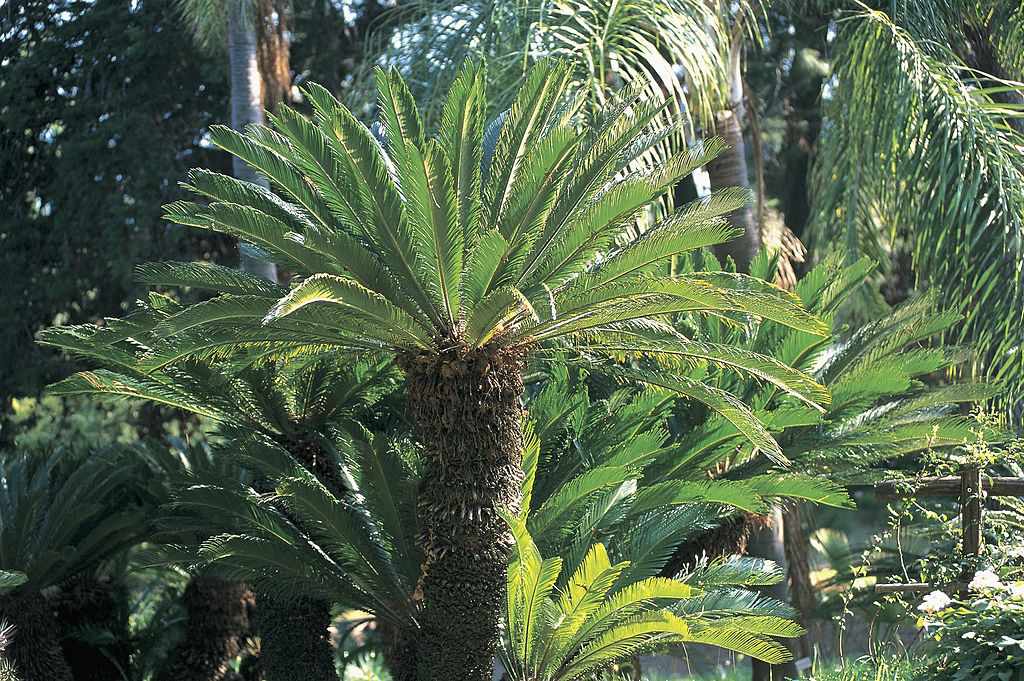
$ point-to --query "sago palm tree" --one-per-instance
(300, 409)
(61, 514)
(562, 627)
(461, 255)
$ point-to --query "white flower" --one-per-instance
(1016, 552)
(985, 579)
(934, 602)
(970, 635)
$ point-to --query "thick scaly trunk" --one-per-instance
(294, 641)
(469, 419)
(217, 623)
(768, 543)
(399, 651)
(728, 538)
(89, 603)
(246, 105)
(35, 650)
(730, 168)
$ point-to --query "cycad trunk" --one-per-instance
(217, 623)
(246, 105)
(294, 641)
(469, 419)
(87, 603)
(35, 649)
(729, 169)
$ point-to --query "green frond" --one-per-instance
(350, 295)
(206, 276)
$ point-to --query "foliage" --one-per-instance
(674, 52)
(7, 670)
(516, 238)
(867, 669)
(599, 617)
(102, 108)
(923, 536)
(923, 149)
(64, 513)
(591, 474)
(980, 638)
(366, 668)
(884, 407)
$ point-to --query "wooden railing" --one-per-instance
(968, 488)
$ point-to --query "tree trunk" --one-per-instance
(728, 538)
(35, 649)
(399, 652)
(217, 624)
(246, 105)
(273, 52)
(469, 419)
(88, 603)
(294, 642)
(799, 575)
(730, 168)
(768, 543)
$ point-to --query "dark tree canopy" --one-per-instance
(103, 107)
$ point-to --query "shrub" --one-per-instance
(980, 639)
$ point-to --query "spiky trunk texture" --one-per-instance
(399, 652)
(469, 419)
(217, 625)
(307, 450)
(35, 649)
(86, 602)
(294, 641)
(728, 538)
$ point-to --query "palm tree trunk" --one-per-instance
(246, 105)
(217, 624)
(469, 419)
(89, 603)
(730, 168)
(768, 543)
(294, 642)
(35, 649)
(799, 574)
(399, 651)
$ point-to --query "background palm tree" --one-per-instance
(255, 33)
(921, 160)
(62, 514)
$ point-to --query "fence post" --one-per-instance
(970, 518)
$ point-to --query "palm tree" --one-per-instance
(257, 48)
(921, 157)
(461, 255)
(61, 514)
(884, 408)
(301, 409)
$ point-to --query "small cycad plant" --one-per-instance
(562, 627)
